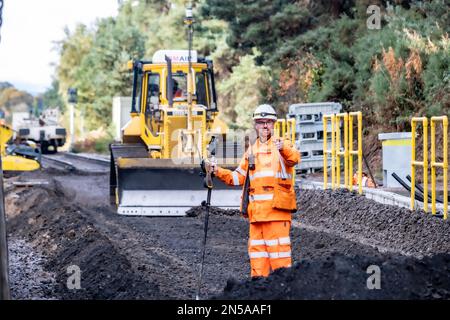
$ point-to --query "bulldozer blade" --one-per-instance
(160, 187)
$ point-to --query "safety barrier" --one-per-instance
(433, 164)
(358, 151)
(443, 164)
(423, 163)
(331, 152)
(337, 152)
(286, 128)
(341, 153)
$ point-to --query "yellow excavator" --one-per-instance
(155, 169)
(16, 157)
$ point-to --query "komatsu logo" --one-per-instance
(174, 55)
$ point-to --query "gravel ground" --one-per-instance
(335, 237)
(28, 280)
(410, 248)
(392, 228)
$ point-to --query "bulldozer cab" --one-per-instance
(158, 85)
(161, 94)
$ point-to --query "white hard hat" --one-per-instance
(265, 111)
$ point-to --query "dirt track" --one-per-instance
(336, 236)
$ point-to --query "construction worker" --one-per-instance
(365, 180)
(272, 197)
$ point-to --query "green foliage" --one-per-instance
(348, 53)
(281, 52)
(269, 25)
(51, 97)
(72, 49)
(100, 72)
(103, 71)
(436, 78)
(240, 91)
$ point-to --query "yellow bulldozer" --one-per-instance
(15, 157)
(155, 168)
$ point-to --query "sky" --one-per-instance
(28, 33)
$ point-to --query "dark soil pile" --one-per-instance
(345, 277)
(410, 248)
(68, 238)
(335, 237)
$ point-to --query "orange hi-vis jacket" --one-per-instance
(365, 181)
(272, 195)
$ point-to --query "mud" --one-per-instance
(410, 248)
(199, 210)
(68, 238)
(152, 258)
(335, 237)
(339, 276)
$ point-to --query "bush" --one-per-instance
(96, 141)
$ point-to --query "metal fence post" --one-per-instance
(4, 270)
(423, 163)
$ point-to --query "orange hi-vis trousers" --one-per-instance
(269, 247)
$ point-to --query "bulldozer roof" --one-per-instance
(177, 56)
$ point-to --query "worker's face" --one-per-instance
(264, 128)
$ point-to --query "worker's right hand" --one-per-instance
(210, 166)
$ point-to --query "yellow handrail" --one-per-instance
(423, 164)
(443, 164)
(286, 128)
(331, 118)
(340, 153)
(280, 127)
(347, 152)
(352, 152)
(291, 128)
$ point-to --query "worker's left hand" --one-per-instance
(279, 144)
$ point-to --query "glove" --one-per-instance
(211, 166)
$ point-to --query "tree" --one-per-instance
(98, 69)
(268, 25)
(51, 98)
(13, 100)
(72, 50)
(240, 92)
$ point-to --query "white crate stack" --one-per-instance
(309, 132)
